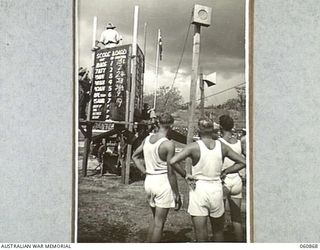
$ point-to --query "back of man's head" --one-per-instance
(205, 126)
(226, 122)
(166, 120)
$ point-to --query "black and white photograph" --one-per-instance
(161, 121)
(174, 122)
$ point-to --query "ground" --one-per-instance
(109, 211)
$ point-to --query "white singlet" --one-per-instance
(236, 147)
(154, 165)
(157, 185)
(209, 165)
(233, 182)
(207, 198)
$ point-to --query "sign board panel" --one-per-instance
(111, 81)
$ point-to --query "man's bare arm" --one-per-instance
(175, 163)
(137, 161)
(171, 173)
(243, 147)
(175, 160)
(240, 161)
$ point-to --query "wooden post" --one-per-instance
(86, 151)
(201, 95)
(145, 54)
(193, 90)
(157, 70)
(123, 161)
(87, 140)
(194, 78)
(132, 90)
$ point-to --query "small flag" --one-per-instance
(211, 79)
(160, 45)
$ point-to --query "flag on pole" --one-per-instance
(160, 45)
(211, 79)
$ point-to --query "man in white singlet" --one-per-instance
(232, 182)
(160, 183)
(206, 199)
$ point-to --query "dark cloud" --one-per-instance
(222, 43)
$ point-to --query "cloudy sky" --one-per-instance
(222, 44)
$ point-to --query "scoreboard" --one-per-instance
(112, 83)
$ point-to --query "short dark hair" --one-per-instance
(226, 122)
(205, 125)
(244, 132)
(166, 119)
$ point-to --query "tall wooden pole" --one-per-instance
(87, 140)
(194, 78)
(193, 89)
(123, 144)
(144, 53)
(157, 70)
(201, 82)
(133, 89)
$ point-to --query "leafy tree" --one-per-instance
(236, 103)
(232, 103)
(168, 99)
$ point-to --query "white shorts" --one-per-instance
(233, 183)
(206, 199)
(159, 191)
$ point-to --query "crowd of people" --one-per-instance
(213, 181)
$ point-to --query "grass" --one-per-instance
(110, 211)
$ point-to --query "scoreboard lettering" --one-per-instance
(111, 80)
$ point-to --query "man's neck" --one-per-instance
(226, 134)
(206, 137)
(162, 132)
